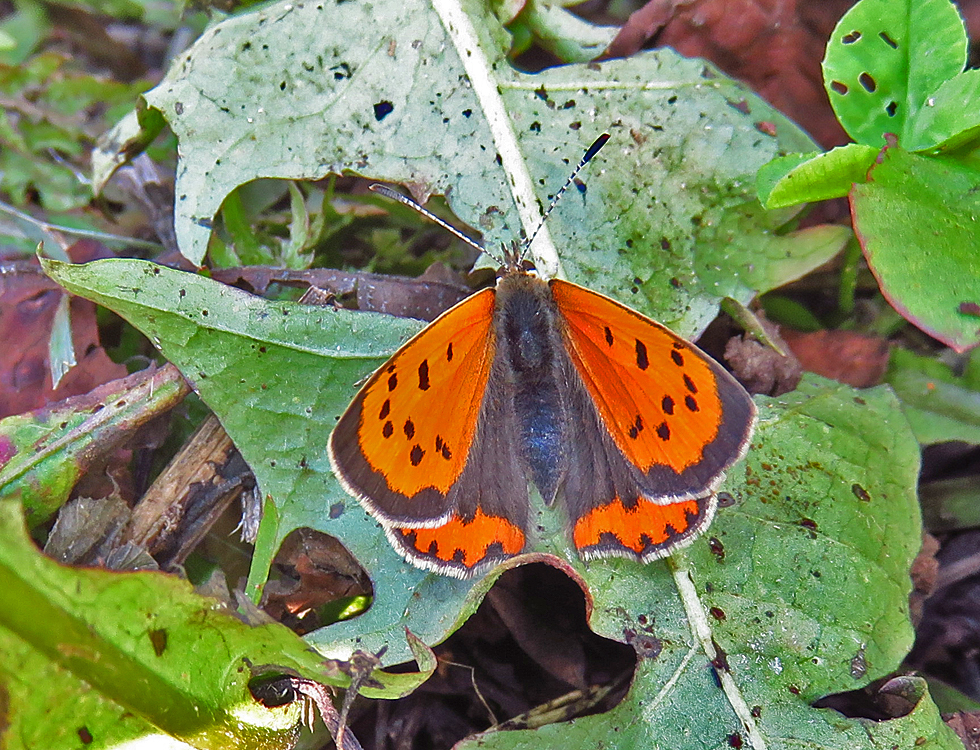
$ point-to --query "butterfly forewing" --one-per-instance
(675, 414)
(403, 442)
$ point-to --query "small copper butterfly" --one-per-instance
(624, 424)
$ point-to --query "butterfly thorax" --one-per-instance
(530, 361)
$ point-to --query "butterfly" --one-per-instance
(621, 423)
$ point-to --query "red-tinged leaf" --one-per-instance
(916, 219)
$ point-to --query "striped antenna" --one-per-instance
(592, 151)
(404, 199)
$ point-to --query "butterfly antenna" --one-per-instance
(592, 151)
(404, 199)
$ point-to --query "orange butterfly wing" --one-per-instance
(670, 420)
(677, 415)
(404, 446)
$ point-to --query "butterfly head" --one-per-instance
(514, 259)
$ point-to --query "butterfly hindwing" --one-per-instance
(489, 520)
(678, 418)
(605, 498)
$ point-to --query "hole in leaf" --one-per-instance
(838, 87)
(891, 108)
(527, 644)
(888, 40)
(869, 84)
(271, 689)
(887, 698)
(382, 109)
(314, 582)
(851, 38)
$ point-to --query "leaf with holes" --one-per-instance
(803, 583)
(890, 68)
(885, 59)
(916, 221)
(799, 590)
(423, 95)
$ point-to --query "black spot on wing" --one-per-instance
(416, 454)
(409, 429)
(642, 360)
(667, 405)
(424, 375)
(690, 403)
(442, 449)
(385, 409)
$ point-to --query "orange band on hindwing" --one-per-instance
(645, 531)
(463, 543)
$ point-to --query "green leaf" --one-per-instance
(951, 117)
(27, 26)
(560, 31)
(92, 656)
(339, 100)
(790, 312)
(131, 135)
(885, 59)
(294, 253)
(61, 347)
(776, 255)
(804, 178)
(244, 245)
(939, 405)
(804, 583)
(44, 453)
(800, 589)
(949, 699)
(770, 175)
(916, 221)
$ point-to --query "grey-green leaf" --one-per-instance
(421, 94)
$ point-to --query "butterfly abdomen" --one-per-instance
(530, 351)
